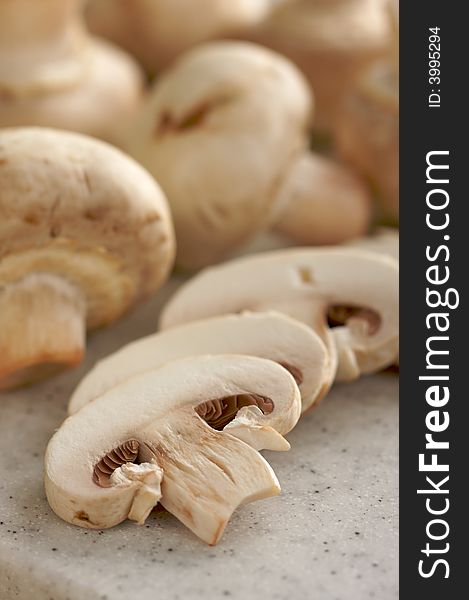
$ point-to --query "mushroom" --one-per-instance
(219, 133)
(268, 335)
(156, 31)
(53, 74)
(185, 435)
(367, 131)
(349, 297)
(331, 41)
(322, 202)
(85, 232)
(385, 240)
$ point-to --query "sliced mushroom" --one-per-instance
(157, 31)
(185, 430)
(53, 74)
(85, 232)
(219, 132)
(268, 335)
(331, 41)
(356, 290)
(322, 203)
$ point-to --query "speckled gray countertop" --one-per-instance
(331, 535)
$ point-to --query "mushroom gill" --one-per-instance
(219, 412)
(338, 315)
(124, 453)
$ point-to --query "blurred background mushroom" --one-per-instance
(53, 74)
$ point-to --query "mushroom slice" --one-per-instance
(356, 290)
(163, 436)
(85, 233)
(268, 335)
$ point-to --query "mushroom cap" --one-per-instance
(219, 132)
(80, 209)
(53, 74)
(304, 283)
(205, 473)
(268, 335)
(330, 41)
(324, 202)
(368, 132)
(385, 240)
(95, 94)
(156, 31)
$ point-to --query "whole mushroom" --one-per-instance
(331, 41)
(224, 133)
(176, 436)
(367, 131)
(220, 132)
(322, 202)
(53, 74)
(157, 31)
(268, 335)
(85, 232)
(349, 297)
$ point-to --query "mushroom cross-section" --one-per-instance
(268, 335)
(348, 296)
(178, 435)
(85, 232)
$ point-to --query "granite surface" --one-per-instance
(331, 535)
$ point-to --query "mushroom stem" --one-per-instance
(42, 326)
(41, 43)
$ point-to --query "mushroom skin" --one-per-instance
(157, 31)
(322, 202)
(368, 133)
(268, 335)
(331, 41)
(199, 474)
(53, 74)
(385, 240)
(305, 284)
(219, 132)
(85, 233)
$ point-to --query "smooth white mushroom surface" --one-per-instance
(331, 41)
(385, 240)
(185, 435)
(268, 335)
(85, 233)
(53, 74)
(322, 202)
(219, 132)
(349, 297)
(157, 31)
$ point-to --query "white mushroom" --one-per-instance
(179, 435)
(156, 31)
(85, 232)
(268, 335)
(52, 74)
(331, 41)
(322, 202)
(219, 133)
(356, 291)
(368, 128)
(385, 240)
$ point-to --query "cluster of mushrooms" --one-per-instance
(105, 186)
